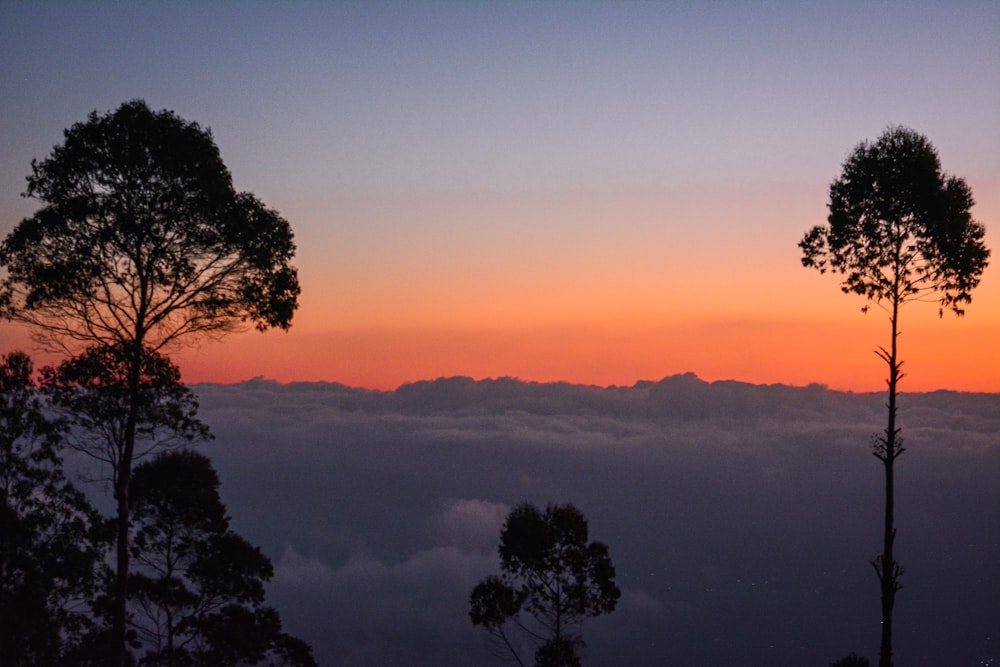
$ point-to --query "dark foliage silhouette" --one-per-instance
(92, 394)
(197, 588)
(52, 539)
(551, 579)
(558, 653)
(899, 230)
(142, 241)
(851, 660)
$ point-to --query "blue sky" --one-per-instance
(370, 98)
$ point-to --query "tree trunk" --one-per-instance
(886, 567)
(887, 574)
(120, 610)
(170, 635)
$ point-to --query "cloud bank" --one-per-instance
(741, 518)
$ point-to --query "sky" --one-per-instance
(740, 518)
(591, 192)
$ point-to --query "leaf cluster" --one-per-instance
(899, 229)
(92, 392)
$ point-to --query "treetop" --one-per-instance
(142, 239)
(900, 229)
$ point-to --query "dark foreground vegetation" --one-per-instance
(196, 588)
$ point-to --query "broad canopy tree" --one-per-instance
(142, 242)
(899, 230)
(551, 579)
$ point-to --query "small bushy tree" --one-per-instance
(197, 591)
(551, 579)
(851, 660)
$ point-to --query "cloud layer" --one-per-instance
(741, 518)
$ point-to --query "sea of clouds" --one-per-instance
(741, 519)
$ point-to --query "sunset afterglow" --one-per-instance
(599, 194)
(512, 254)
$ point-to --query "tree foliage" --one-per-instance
(142, 238)
(551, 579)
(52, 539)
(198, 588)
(899, 230)
(851, 660)
(92, 393)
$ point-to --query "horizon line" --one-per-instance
(639, 383)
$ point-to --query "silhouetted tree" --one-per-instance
(899, 230)
(51, 539)
(142, 241)
(198, 587)
(551, 579)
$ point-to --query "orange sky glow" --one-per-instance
(604, 309)
(597, 307)
(836, 354)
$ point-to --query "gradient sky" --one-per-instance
(590, 192)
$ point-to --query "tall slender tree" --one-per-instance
(899, 230)
(91, 395)
(141, 242)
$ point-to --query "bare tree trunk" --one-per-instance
(888, 571)
(171, 661)
(120, 610)
(888, 448)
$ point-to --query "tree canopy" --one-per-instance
(142, 238)
(900, 229)
(551, 579)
